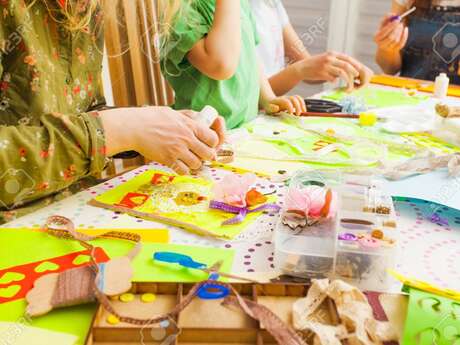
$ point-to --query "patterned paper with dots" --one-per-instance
(428, 252)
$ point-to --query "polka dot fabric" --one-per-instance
(431, 250)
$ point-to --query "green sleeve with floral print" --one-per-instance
(49, 83)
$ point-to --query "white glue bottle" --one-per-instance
(441, 86)
(207, 116)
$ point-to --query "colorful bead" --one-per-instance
(377, 234)
(347, 237)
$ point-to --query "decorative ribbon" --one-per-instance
(423, 165)
(241, 212)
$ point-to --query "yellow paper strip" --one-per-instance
(424, 286)
(407, 83)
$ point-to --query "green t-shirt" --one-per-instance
(236, 99)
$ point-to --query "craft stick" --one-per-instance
(404, 15)
(333, 115)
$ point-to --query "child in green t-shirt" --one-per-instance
(208, 55)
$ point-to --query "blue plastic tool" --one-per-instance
(213, 291)
(208, 290)
(180, 259)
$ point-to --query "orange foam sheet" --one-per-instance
(16, 281)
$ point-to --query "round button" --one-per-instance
(113, 320)
(148, 297)
(127, 297)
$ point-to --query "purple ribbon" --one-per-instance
(241, 212)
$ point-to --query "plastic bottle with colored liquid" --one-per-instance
(441, 86)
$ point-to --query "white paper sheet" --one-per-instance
(435, 187)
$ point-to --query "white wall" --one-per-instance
(341, 25)
(106, 80)
(310, 18)
(370, 13)
(351, 25)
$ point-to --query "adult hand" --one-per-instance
(217, 126)
(392, 35)
(330, 66)
(162, 135)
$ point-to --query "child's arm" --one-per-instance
(327, 67)
(217, 55)
(391, 38)
(273, 104)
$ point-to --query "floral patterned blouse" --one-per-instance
(50, 139)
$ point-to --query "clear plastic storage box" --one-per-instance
(357, 243)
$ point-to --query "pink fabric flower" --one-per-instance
(233, 188)
(312, 201)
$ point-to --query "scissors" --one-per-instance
(322, 106)
(208, 290)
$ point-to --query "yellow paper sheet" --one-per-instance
(181, 201)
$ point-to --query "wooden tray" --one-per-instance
(208, 322)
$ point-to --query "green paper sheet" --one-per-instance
(74, 321)
(431, 319)
(15, 333)
(296, 137)
(21, 246)
(379, 98)
(162, 204)
(163, 272)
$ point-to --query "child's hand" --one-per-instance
(330, 66)
(292, 104)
